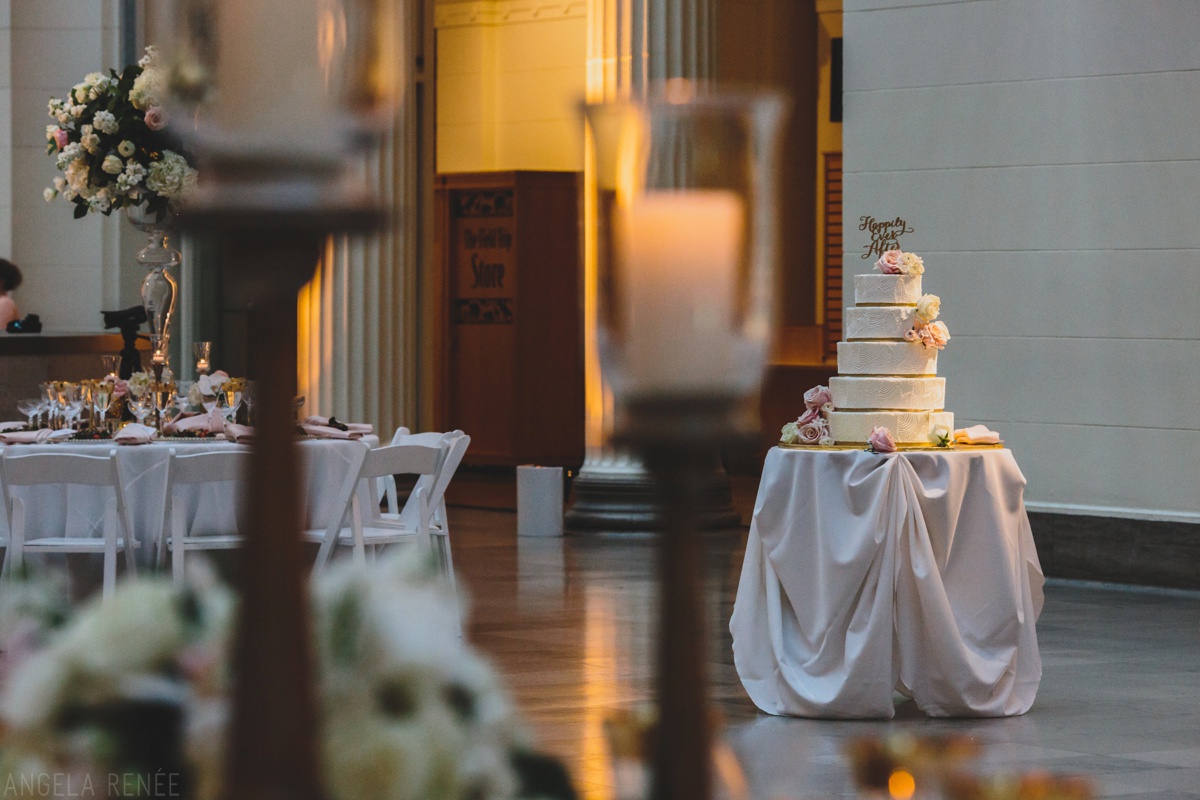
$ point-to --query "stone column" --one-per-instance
(631, 45)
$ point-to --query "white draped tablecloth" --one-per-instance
(208, 508)
(865, 573)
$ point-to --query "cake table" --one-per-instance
(866, 574)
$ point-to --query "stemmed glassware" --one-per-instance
(102, 395)
(112, 363)
(231, 392)
(51, 407)
(30, 408)
(164, 398)
(248, 400)
(141, 406)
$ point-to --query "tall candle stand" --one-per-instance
(684, 207)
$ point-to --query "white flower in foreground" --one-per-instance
(112, 165)
(90, 142)
(928, 307)
(49, 194)
(147, 89)
(126, 148)
(790, 433)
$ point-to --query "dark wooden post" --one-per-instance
(273, 742)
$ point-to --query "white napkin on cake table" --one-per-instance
(13, 426)
(325, 432)
(351, 427)
(134, 433)
(40, 436)
(976, 434)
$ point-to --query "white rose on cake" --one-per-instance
(912, 264)
(928, 307)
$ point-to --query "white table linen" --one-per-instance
(208, 508)
(866, 573)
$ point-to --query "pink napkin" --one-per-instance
(238, 433)
(36, 437)
(351, 427)
(324, 432)
(976, 434)
(133, 433)
(212, 422)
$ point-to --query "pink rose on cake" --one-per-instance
(813, 432)
(881, 441)
(816, 397)
(808, 416)
(935, 334)
(889, 262)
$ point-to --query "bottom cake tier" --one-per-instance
(907, 427)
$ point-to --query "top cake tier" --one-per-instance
(887, 289)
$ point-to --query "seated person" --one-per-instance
(10, 279)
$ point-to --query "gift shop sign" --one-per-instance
(885, 234)
(483, 228)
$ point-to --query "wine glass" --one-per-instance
(50, 393)
(102, 394)
(141, 406)
(30, 408)
(232, 394)
(70, 396)
(164, 398)
(248, 400)
(112, 363)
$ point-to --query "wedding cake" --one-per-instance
(887, 365)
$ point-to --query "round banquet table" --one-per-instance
(208, 508)
(866, 574)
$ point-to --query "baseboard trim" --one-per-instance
(1163, 553)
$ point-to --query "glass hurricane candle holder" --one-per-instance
(685, 215)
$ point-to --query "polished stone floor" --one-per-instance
(570, 622)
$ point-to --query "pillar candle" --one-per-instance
(681, 251)
(269, 73)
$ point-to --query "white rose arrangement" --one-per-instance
(927, 329)
(110, 141)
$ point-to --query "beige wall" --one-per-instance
(509, 77)
(1047, 155)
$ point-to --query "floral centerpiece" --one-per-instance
(110, 140)
(139, 687)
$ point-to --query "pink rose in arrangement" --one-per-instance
(808, 416)
(812, 432)
(156, 118)
(817, 397)
(120, 388)
(935, 334)
(881, 440)
(60, 138)
(889, 262)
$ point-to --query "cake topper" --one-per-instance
(884, 235)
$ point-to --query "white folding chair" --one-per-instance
(454, 446)
(358, 490)
(188, 471)
(68, 469)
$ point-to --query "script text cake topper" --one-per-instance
(884, 235)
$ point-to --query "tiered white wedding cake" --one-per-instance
(887, 365)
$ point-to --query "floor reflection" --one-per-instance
(571, 624)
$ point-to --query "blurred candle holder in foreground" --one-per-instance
(685, 211)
